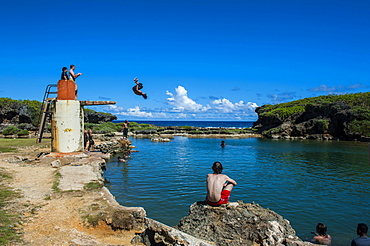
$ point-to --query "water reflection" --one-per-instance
(305, 181)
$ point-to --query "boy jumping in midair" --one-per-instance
(137, 89)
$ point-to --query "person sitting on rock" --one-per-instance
(321, 236)
(219, 186)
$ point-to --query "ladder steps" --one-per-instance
(45, 115)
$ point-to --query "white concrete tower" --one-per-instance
(67, 120)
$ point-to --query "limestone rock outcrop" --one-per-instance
(98, 117)
(158, 234)
(317, 121)
(238, 224)
(114, 147)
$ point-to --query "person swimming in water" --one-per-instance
(321, 236)
(137, 89)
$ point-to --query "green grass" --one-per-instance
(92, 186)
(11, 145)
(93, 220)
(354, 99)
(8, 220)
(57, 177)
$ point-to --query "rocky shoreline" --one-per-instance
(74, 208)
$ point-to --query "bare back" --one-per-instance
(215, 185)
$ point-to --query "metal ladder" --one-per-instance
(45, 110)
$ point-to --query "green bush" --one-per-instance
(10, 130)
(108, 127)
(143, 127)
(132, 124)
(88, 110)
(361, 113)
(23, 132)
(271, 131)
(360, 127)
(33, 107)
(323, 125)
(354, 99)
(186, 127)
(105, 127)
(284, 112)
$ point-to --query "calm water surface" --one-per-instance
(304, 181)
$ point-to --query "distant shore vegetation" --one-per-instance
(109, 127)
(358, 103)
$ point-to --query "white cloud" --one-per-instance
(138, 113)
(182, 102)
(181, 115)
(225, 106)
(281, 97)
(114, 108)
(323, 88)
(180, 106)
(338, 88)
(134, 112)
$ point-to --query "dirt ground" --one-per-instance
(49, 217)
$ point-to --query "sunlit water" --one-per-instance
(304, 181)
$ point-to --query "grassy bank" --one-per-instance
(12, 145)
(8, 220)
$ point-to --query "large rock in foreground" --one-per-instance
(237, 224)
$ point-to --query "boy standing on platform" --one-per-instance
(64, 74)
(73, 76)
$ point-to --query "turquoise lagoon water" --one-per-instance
(304, 181)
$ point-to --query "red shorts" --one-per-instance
(225, 195)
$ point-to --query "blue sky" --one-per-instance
(198, 60)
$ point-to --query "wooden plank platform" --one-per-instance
(86, 103)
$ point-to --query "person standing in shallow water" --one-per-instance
(86, 139)
(90, 138)
(363, 240)
(219, 186)
(222, 144)
(125, 129)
